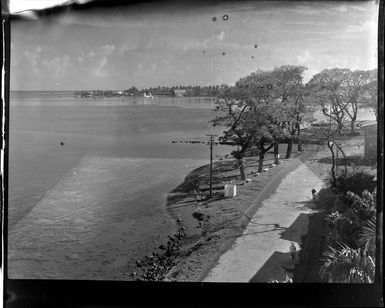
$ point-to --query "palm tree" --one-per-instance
(367, 237)
(347, 265)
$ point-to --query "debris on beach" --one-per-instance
(155, 266)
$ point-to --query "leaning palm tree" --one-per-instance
(347, 265)
(368, 235)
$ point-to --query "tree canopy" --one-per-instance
(262, 108)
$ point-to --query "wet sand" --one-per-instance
(97, 220)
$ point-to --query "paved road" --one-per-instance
(262, 252)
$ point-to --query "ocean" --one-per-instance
(88, 179)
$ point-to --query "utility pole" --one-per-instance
(211, 155)
(211, 162)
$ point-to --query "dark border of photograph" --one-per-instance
(78, 293)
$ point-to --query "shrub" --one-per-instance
(346, 225)
(355, 182)
(343, 228)
(362, 207)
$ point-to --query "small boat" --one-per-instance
(149, 95)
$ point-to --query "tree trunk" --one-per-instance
(344, 159)
(340, 127)
(352, 126)
(289, 147)
(241, 165)
(261, 157)
(299, 139)
(276, 153)
(330, 146)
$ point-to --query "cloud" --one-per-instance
(57, 66)
(102, 69)
(367, 25)
(105, 51)
(357, 31)
(196, 44)
(30, 61)
(97, 60)
(86, 56)
(304, 57)
(317, 9)
(307, 23)
(204, 43)
(316, 62)
(221, 35)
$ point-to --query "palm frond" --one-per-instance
(347, 265)
(367, 237)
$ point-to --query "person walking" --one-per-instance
(314, 193)
(293, 251)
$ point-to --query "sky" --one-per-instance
(153, 44)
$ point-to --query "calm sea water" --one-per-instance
(88, 178)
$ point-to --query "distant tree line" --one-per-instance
(211, 91)
(204, 91)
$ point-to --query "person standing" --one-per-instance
(293, 251)
(314, 193)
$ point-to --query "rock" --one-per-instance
(198, 215)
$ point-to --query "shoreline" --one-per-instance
(209, 226)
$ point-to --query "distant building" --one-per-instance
(179, 92)
(370, 137)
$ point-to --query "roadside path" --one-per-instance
(262, 252)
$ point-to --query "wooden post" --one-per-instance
(211, 164)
